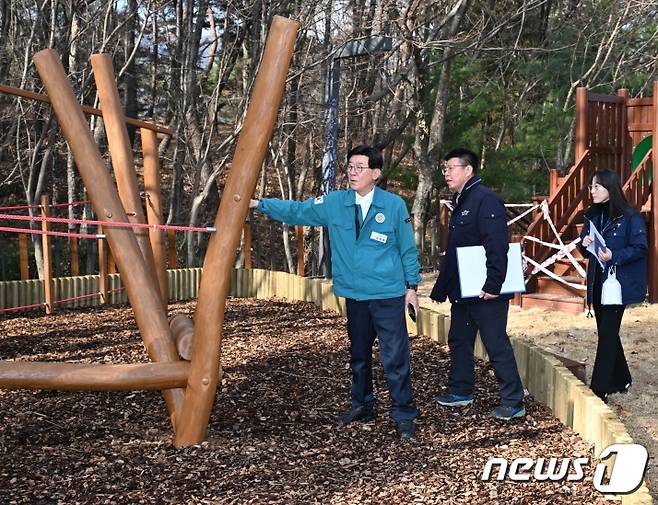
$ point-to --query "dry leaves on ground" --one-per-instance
(272, 436)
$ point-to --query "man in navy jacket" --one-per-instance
(478, 219)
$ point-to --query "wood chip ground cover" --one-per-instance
(272, 436)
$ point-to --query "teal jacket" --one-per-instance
(380, 262)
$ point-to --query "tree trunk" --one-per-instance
(72, 178)
(130, 77)
(429, 144)
(153, 57)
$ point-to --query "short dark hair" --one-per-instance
(617, 204)
(467, 156)
(374, 155)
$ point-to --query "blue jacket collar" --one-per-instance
(469, 184)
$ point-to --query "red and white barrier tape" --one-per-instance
(554, 276)
(64, 300)
(24, 207)
(547, 216)
(24, 307)
(108, 224)
(532, 209)
(53, 233)
(560, 254)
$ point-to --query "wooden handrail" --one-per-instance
(562, 191)
(570, 194)
(594, 97)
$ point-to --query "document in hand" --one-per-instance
(472, 266)
(598, 243)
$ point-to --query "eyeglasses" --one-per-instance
(447, 168)
(357, 169)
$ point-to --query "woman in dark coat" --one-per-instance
(624, 232)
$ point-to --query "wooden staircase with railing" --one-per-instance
(564, 208)
(627, 125)
(552, 294)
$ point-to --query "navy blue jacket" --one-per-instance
(626, 237)
(478, 218)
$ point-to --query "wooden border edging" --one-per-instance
(545, 377)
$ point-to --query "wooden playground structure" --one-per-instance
(188, 385)
(611, 132)
(615, 132)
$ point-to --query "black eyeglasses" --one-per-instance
(449, 168)
(357, 169)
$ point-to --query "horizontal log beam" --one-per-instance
(11, 90)
(605, 98)
(182, 329)
(640, 127)
(93, 377)
(639, 102)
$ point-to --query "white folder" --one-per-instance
(472, 266)
(598, 243)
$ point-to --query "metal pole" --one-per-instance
(352, 49)
(330, 155)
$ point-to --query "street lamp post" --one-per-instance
(352, 49)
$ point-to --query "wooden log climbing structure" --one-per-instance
(188, 387)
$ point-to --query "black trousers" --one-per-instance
(384, 319)
(490, 318)
(610, 373)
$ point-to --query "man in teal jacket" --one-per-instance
(375, 267)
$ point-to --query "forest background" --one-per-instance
(497, 76)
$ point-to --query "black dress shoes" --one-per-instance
(357, 414)
(406, 429)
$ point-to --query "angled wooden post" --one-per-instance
(121, 151)
(182, 328)
(154, 207)
(142, 292)
(23, 256)
(47, 258)
(218, 264)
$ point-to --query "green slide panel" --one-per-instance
(640, 152)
